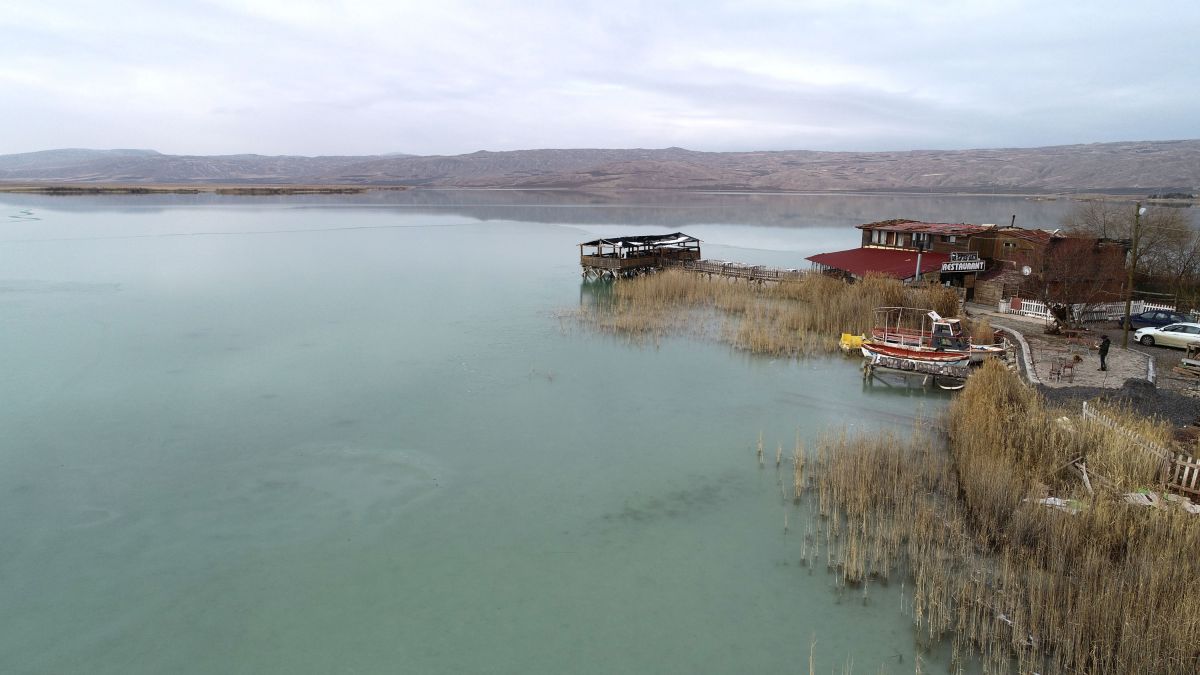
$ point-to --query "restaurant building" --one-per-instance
(987, 262)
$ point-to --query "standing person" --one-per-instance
(1103, 352)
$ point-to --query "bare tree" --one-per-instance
(1100, 219)
(1183, 263)
(1081, 271)
(1164, 232)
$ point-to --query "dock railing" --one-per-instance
(739, 270)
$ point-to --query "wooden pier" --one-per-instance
(944, 376)
(738, 270)
(620, 257)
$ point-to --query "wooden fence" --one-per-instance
(1107, 311)
(1158, 451)
(1180, 471)
(1183, 475)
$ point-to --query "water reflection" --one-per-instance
(596, 294)
(903, 387)
(667, 209)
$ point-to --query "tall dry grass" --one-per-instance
(793, 317)
(982, 332)
(1103, 587)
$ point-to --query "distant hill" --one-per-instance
(1161, 166)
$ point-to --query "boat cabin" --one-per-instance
(919, 328)
(948, 334)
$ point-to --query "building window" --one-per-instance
(876, 236)
(950, 238)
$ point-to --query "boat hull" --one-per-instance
(981, 352)
(870, 349)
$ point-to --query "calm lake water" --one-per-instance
(362, 434)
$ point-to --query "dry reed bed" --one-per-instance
(1011, 583)
(789, 318)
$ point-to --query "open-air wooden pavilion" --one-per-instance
(627, 256)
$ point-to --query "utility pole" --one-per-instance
(920, 249)
(1133, 261)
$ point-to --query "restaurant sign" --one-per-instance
(964, 261)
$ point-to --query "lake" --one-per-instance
(365, 433)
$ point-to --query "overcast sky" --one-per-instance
(447, 77)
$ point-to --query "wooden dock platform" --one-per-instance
(620, 257)
(944, 376)
(629, 256)
(738, 270)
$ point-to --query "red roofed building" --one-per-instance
(941, 237)
(1037, 264)
(898, 263)
(890, 247)
(986, 261)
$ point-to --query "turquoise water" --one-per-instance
(365, 434)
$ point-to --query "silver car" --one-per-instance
(1175, 335)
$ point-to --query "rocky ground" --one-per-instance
(1173, 399)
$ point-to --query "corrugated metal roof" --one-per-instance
(958, 229)
(893, 262)
(673, 239)
(1035, 236)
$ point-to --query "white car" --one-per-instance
(1174, 335)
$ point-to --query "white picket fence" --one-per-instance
(1108, 311)
(1025, 308)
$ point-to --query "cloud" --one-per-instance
(453, 76)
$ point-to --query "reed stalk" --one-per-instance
(795, 317)
(1013, 584)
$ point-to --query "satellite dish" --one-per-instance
(1142, 211)
(1027, 270)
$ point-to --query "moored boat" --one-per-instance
(871, 348)
(923, 331)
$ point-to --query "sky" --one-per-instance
(446, 76)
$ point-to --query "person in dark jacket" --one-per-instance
(1104, 343)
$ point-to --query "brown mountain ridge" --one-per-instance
(1103, 167)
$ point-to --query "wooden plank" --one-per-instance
(739, 271)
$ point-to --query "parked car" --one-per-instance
(1176, 335)
(1156, 317)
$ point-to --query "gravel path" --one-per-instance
(1125, 380)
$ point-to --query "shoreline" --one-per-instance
(235, 188)
(75, 189)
